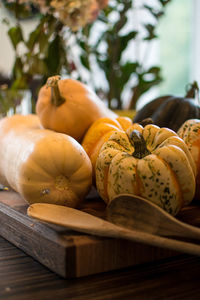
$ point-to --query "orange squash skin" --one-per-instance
(42, 165)
(80, 109)
(99, 132)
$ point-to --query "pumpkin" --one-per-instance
(99, 132)
(69, 106)
(190, 133)
(148, 161)
(42, 165)
(171, 111)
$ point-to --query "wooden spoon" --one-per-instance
(82, 222)
(137, 213)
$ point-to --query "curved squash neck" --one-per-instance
(56, 98)
(139, 144)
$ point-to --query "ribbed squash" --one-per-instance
(148, 161)
(99, 132)
(42, 165)
(69, 106)
(190, 133)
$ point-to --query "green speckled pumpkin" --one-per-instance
(190, 133)
(149, 161)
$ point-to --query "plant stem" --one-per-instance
(193, 90)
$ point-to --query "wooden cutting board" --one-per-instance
(71, 254)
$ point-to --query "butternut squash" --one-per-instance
(42, 165)
(69, 106)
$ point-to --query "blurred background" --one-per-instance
(158, 48)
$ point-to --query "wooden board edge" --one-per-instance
(39, 241)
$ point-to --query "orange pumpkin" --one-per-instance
(69, 106)
(99, 132)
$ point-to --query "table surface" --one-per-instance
(23, 278)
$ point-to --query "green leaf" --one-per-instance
(155, 13)
(20, 83)
(124, 40)
(128, 69)
(82, 44)
(33, 38)
(43, 42)
(36, 66)
(85, 61)
(164, 2)
(17, 68)
(149, 78)
(151, 32)
(20, 10)
(53, 57)
(102, 38)
(16, 35)
(154, 70)
(103, 64)
(40, 34)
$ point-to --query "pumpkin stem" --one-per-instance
(56, 98)
(139, 144)
(192, 90)
(146, 121)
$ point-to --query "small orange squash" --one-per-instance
(69, 106)
(99, 132)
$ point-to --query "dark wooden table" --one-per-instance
(23, 278)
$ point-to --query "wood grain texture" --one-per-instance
(175, 277)
(68, 253)
(24, 278)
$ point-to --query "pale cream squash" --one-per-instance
(151, 162)
(69, 106)
(190, 133)
(42, 165)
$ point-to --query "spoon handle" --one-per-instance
(178, 228)
(84, 222)
(162, 242)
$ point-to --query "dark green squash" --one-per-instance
(171, 111)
